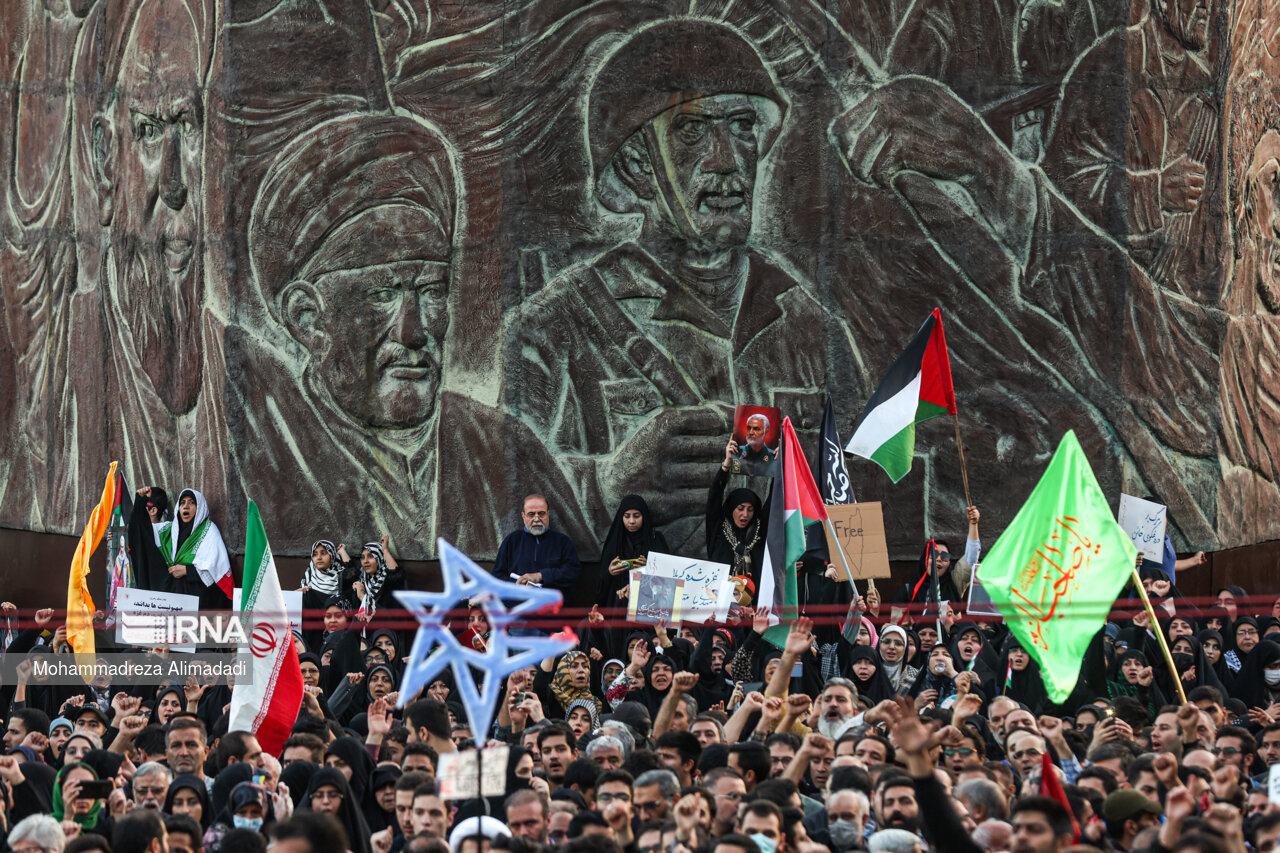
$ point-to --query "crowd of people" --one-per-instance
(898, 726)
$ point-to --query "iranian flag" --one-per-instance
(268, 705)
(916, 388)
(800, 508)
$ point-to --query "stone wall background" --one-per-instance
(390, 265)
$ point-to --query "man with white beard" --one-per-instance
(837, 707)
(536, 555)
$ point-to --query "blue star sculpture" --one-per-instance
(435, 647)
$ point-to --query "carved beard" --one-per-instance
(161, 310)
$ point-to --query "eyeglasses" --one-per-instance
(1228, 751)
(146, 790)
(944, 557)
(609, 798)
(650, 806)
(652, 848)
(962, 750)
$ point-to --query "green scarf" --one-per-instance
(59, 812)
(186, 555)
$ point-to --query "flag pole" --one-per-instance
(964, 470)
(850, 628)
(844, 561)
(1155, 624)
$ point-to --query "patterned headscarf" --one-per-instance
(324, 581)
(373, 583)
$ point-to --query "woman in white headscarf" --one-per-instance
(185, 555)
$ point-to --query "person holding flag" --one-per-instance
(186, 555)
(947, 578)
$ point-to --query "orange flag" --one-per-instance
(80, 606)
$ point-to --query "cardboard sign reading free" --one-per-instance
(859, 530)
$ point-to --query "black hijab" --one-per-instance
(355, 756)
(395, 661)
(346, 657)
(1219, 668)
(985, 662)
(1250, 685)
(621, 544)
(1115, 672)
(374, 815)
(741, 547)
(877, 688)
(191, 782)
(1206, 675)
(226, 781)
(297, 776)
(184, 527)
(921, 591)
(1025, 686)
(349, 814)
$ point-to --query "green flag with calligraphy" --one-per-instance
(1057, 569)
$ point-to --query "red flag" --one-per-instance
(1051, 786)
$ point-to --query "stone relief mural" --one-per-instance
(391, 264)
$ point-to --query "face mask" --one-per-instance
(765, 843)
(1182, 661)
(254, 823)
(1272, 676)
(844, 833)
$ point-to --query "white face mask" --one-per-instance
(1272, 677)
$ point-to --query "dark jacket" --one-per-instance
(552, 554)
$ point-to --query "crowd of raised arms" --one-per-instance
(899, 727)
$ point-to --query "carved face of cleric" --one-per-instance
(379, 322)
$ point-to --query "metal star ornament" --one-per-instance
(435, 647)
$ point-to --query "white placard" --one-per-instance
(292, 603)
(707, 590)
(1145, 522)
(456, 776)
(1273, 784)
(132, 602)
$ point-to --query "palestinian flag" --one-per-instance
(916, 388)
(800, 508)
(268, 705)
